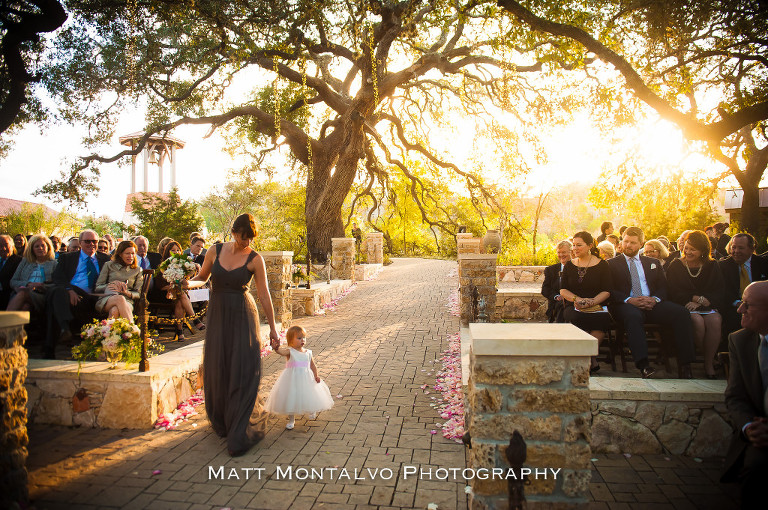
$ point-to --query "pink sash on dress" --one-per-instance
(296, 364)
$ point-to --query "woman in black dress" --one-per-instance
(694, 281)
(585, 286)
(232, 353)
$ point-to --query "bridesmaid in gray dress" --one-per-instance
(232, 355)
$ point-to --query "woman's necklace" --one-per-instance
(689, 270)
(582, 271)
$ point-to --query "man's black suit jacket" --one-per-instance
(551, 288)
(743, 396)
(6, 273)
(154, 259)
(730, 272)
(622, 281)
(67, 267)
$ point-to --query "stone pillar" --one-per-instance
(467, 243)
(13, 410)
(533, 378)
(278, 264)
(477, 270)
(343, 258)
(375, 245)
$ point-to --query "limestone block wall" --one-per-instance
(308, 302)
(278, 265)
(533, 378)
(518, 305)
(468, 243)
(13, 413)
(343, 258)
(520, 273)
(477, 270)
(374, 245)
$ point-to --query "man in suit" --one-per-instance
(550, 289)
(146, 259)
(70, 300)
(639, 295)
(9, 261)
(197, 250)
(747, 458)
(739, 269)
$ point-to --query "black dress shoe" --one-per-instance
(647, 372)
(685, 372)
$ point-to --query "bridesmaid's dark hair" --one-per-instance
(589, 241)
(244, 224)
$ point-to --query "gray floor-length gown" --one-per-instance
(232, 357)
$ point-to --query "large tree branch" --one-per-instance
(691, 127)
(51, 17)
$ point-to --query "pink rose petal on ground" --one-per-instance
(433, 431)
(156, 472)
(338, 396)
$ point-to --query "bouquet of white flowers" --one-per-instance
(114, 339)
(175, 269)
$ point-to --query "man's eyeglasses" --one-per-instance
(746, 305)
(89, 241)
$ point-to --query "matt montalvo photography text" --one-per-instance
(336, 473)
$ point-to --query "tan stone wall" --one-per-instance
(278, 265)
(520, 273)
(374, 245)
(13, 400)
(477, 271)
(343, 258)
(697, 429)
(516, 305)
(545, 398)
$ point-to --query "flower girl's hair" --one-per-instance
(293, 331)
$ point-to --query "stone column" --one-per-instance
(13, 410)
(343, 258)
(533, 378)
(477, 270)
(278, 264)
(375, 246)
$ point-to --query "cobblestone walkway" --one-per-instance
(376, 349)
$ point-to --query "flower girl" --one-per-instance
(299, 389)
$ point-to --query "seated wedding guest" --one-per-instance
(622, 229)
(192, 237)
(550, 289)
(586, 285)
(34, 270)
(614, 239)
(103, 246)
(605, 229)
(20, 243)
(197, 250)
(111, 242)
(655, 249)
(161, 246)
(56, 243)
(639, 296)
(607, 250)
(696, 283)
(182, 307)
(677, 253)
(73, 244)
(70, 301)
(120, 280)
(663, 240)
(722, 238)
(9, 261)
(747, 458)
(739, 269)
(146, 259)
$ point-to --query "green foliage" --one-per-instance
(277, 208)
(34, 219)
(104, 225)
(160, 217)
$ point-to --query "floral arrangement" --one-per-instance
(175, 269)
(297, 272)
(112, 336)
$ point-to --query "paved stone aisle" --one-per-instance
(376, 350)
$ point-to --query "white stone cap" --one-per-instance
(276, 253)
(11, 319)
(660, 390)
(465, 235)
(479, 256)
(525, 339)
(342, 238)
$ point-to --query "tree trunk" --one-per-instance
(750, 203)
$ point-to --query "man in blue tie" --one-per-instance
(747, 459)
(146, 258)
(639, 295)
(70, 302)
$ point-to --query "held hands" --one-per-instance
(691, 306)
(118, 286)
(642, 302)
(757, 432)
(274, 340)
